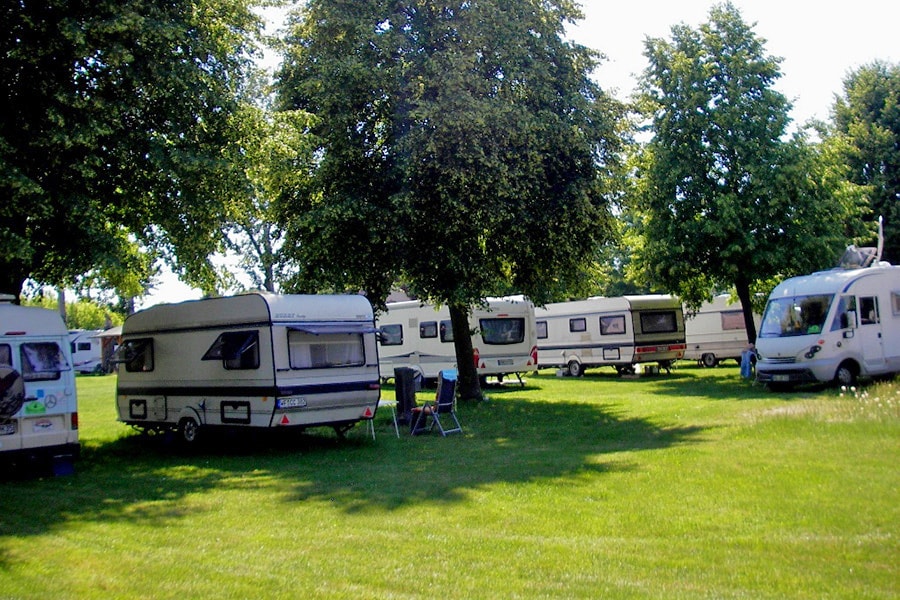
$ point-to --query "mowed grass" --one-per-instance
(690, 485)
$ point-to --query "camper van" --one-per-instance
(250, 361)
(831, 326)
(420, 337)
(38, 406)
(716, 332)
(87, 350)
(617, 332)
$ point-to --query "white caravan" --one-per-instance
(618, 332)
(249, 361)
(87, 350)
(420, 337)
(38, 405)
(835, 325)
(716, 332)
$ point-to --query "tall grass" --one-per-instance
(691, 485)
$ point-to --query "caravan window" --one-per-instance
(42, 361)
(502, 331)
(5, 355)
(659, 322)
(428, 329)
(578, 325)
(391, 335)
(541, 327)
(236, 350)
(733, 319)
(612, 325)
(136, 354)
(311, 351)
(446, 331)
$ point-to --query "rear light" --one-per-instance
(475, 356)
(74, 420)
(534, 356)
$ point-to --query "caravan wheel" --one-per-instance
(709, 360)
(575, 368)
(188, 430)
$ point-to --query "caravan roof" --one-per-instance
(30, 320)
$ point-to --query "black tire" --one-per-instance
(188, 431)
(709, 360)
(846, 374)
(575, 368)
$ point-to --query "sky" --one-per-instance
(819, 43)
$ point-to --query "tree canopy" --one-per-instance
(724, 200)
(464, 147)
(118, 120)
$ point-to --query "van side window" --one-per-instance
(578, 325)
(446, 331)
(428, 329)
(5, 355)
(612, 325)
(868, 310)
(42, 361)
(236, 350)
(391, 335)
(846, 305)
(137, 355)
(541, 328)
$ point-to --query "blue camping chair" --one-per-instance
(444, 405)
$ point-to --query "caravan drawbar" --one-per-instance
(254, 360)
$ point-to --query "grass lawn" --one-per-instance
(689, 485)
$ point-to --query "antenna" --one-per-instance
(880, 238)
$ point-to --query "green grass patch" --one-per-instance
(690, 485)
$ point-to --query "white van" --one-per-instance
(835, 325)
(38, 404)
(250, 361)
(87, 350)
(420, 337)
(619, 332)
(716, 332)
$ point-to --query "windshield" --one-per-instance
(799, 315)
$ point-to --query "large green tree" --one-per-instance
(724, 200)
(118, 117)
(463, 148)
(867, 118)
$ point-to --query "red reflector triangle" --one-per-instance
(368, 412)
(285, 420)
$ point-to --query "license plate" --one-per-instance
(7, 429)
(505, 362)
(781, 378)
(662, 348)
(299, 402)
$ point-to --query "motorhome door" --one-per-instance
(870, 333)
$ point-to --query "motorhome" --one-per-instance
(831, 326)
(716, 331)
(254, 360)
(87, 350)
(420, 337)
(620, 332)
(38, 403)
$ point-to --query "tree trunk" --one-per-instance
(743, 292)
(468, 386)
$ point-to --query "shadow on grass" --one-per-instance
(509, 439)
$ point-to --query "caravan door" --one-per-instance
(870, 334)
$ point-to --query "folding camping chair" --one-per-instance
(444, 404)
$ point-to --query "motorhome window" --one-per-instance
(577, 325)
(733, 319)
(310, 351)
(842, 319)
(541, 328)
(895, 303)
(236, 350)
(5, 355)
(502, 331)
(868, 311)
(83, 346)
(446, 331)
(137, 355)
(799, 315)
(391, 335)
(428, 329)
(659, 322)
(42, 361)
(612, 325)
